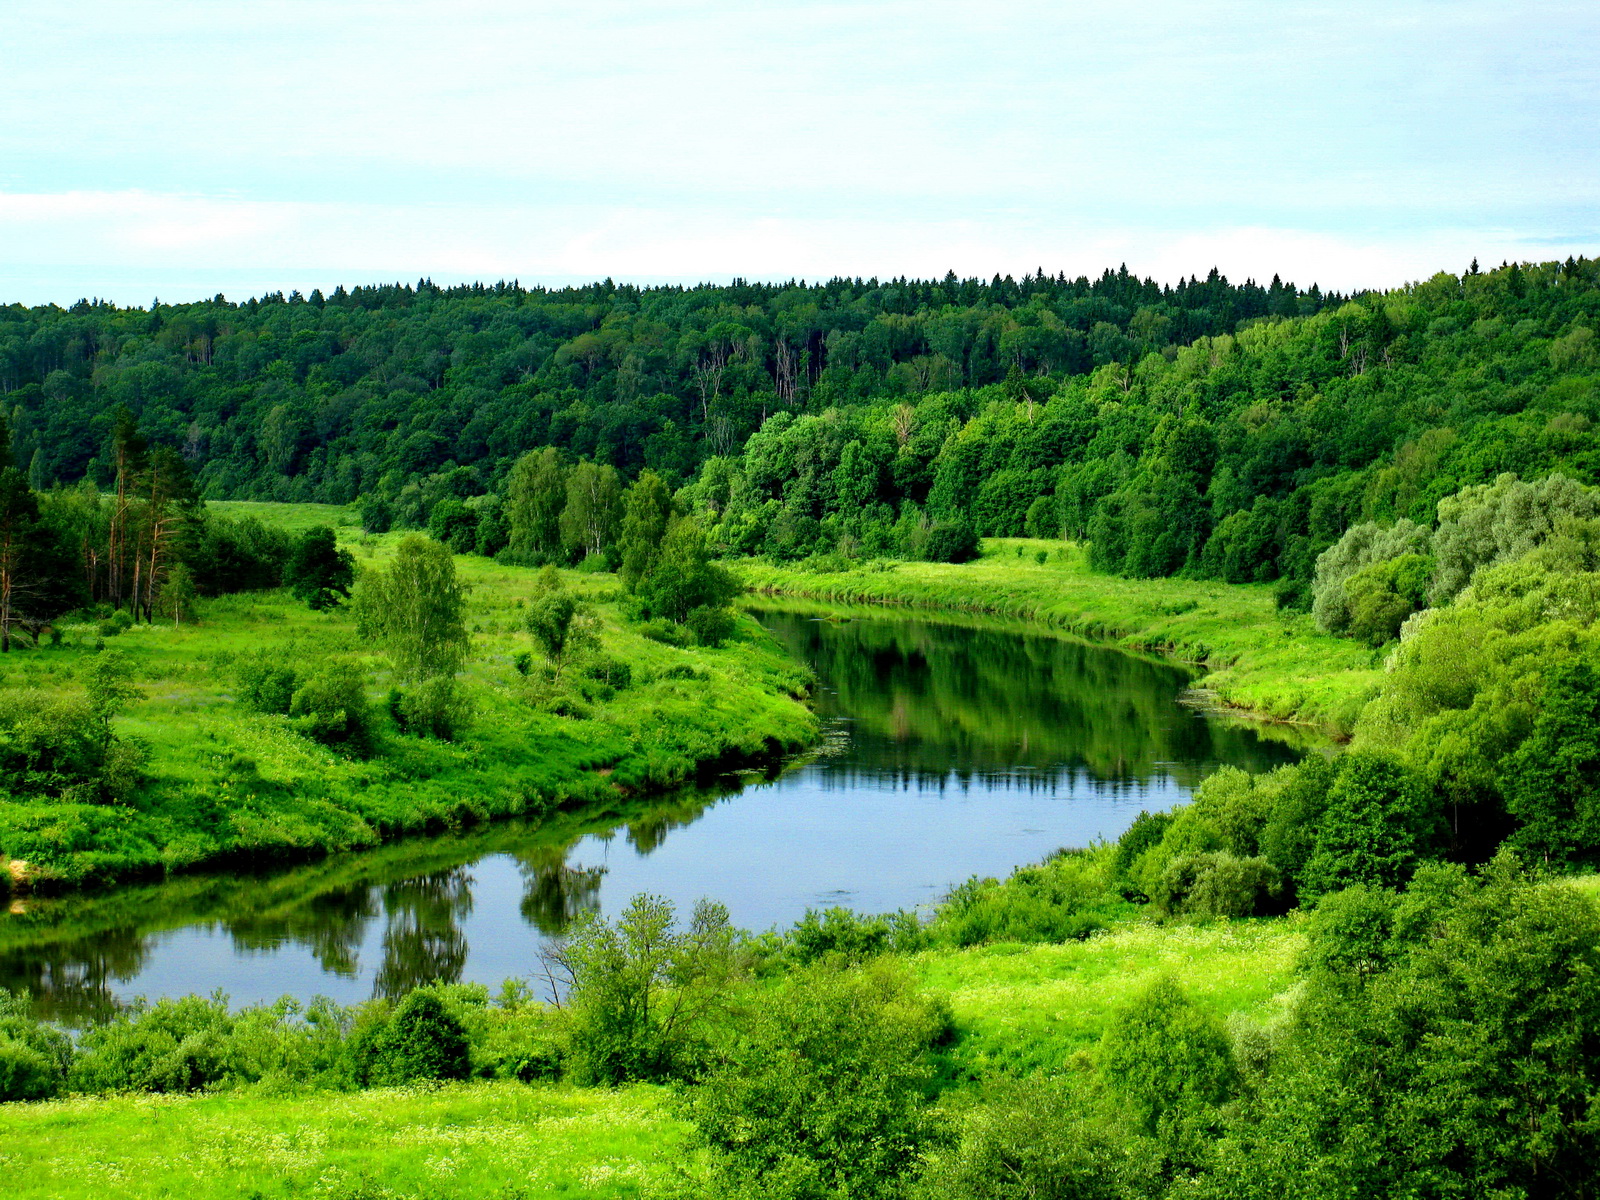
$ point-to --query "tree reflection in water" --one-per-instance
(422, 939)
(553, 894)
(331, 924)
(71, 980)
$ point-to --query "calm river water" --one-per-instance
(949, 751)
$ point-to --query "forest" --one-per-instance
(1372, 971)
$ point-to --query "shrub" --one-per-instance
(711, 625)
(1168, 1064)
(1062, 900)
(33, 1057)
(265, 683)
(1217, 884)
(951, 542)
(331, 707)
(438, 708)
(818, 1087)
(422, 1040)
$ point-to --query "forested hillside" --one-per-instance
(326, 398)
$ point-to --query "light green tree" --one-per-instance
(536, 492)
(417, 609)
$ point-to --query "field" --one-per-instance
(491, 1140)
(1256, 657)
(224, 783)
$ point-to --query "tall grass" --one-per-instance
(479, 1140)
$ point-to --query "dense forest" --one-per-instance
(1221, 431)
(326, 398)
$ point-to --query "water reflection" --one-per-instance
(948, 750)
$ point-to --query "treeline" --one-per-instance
(143, 548)
(1242, 457)
(326, 398)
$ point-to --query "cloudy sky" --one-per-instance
(163, 147)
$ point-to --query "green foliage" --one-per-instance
(951, 542)
(535, 495)
(318, 572)
(1553, 777)
(1169, 1067)
(1362, 549)
(557, 620)
(1445, 1047)
(1216, 884)
(816, 1087)
(330, 706)
(1381, 596)
(420, 1040)
(647, 513)
(63, 746)
(33, 1056)
(265, 682)
(440, 708)
(683, 577)
(1035, 1137)
(1502, 521)
(1065, 898)
(641, 990)
(417, 608)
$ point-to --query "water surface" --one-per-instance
(949, 750)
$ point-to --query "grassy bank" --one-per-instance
(224, 783)
(1255, 657)
(1016, 1008)
(479, 1140)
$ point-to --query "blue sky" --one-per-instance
(179, 149)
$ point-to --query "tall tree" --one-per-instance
(594, 509)
(417, 608)
(536, 492)
(646, 513)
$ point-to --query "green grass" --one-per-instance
(1274, 664)
(229, 784)
(1021, 1008)
(295, 518)
(480, 1140)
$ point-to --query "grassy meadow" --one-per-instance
(225, 783)
(1275, 664)
(492, 1140)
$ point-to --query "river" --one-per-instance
(950, 749)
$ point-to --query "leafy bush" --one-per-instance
(421, 1040)
(440, 708)
(1361, 546)
(711, 625)
(840, 935)
(1169, 1066)
(818, 1087)
(331, 707)
(265, 683)
(640, 990)
(33, 1057)
(1064, 899)
(951, 542)
(318, 572)
(1036, 1137)
(1217, 884)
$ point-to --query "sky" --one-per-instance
(179, 149)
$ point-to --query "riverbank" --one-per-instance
(1254, 657)
(223, 784)
(1014, 1009)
